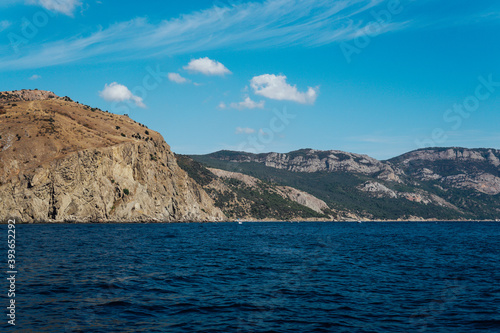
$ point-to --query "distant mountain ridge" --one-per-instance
(311, 160)
(442, 183)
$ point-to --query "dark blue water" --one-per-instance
(257, 277)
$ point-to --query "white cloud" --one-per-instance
(243, 26)
(275, 87)
(222, 105)
(244, 130)
(4, 25)
(248, 104)
(115, 92)
(177, 78)
(35, 77)
(207, 66)
(66, 7)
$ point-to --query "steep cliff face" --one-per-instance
(63, 161)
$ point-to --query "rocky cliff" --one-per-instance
(64, 161)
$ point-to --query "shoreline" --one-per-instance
(4, 222)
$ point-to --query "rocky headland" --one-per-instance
(65, 161)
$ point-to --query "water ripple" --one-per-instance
(259, 277)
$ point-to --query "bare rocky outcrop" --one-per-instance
(27, 95)
(453, 154)
(379, 190)
(311, 160)
(484, 183)
(248, 180)
(427, 174)
(300, 197)
(119, 183)
(462, 168)
(303, 198)
(86, 165)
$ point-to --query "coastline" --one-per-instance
(152, 221)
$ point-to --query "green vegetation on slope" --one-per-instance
(241, 200)
(195, 170)
(260, 202)
(337, 189)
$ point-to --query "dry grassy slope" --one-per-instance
(61, 160)
(36, 132)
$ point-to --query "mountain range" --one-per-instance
(432, 183)
(63, 161)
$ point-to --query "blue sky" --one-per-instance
(366, 76)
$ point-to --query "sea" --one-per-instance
(255, 277)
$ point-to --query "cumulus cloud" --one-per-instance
(66, 7)
(35, 77)
(115, 92)
(275, 87)
(222, 105)
(248, 104)
(207, 66)
(177, 78)
(244, 130)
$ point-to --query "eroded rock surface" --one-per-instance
(63, 161)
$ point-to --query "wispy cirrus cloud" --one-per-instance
(251, 25)
(6, 3)
(66, 7)
(4, 24)
(273, 23)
